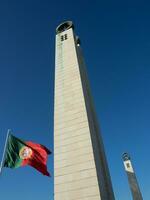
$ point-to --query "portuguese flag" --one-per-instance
(21, 153)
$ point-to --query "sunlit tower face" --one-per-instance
(80, 166)
(135, 190)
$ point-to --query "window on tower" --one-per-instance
(64, 37)
(128, 165)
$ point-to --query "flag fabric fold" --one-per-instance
(21, 153)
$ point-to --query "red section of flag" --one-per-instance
(38, 159)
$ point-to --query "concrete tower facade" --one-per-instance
(136, 194)
(80, 166)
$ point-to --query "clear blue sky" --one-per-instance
(115, 38)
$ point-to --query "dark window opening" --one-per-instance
(128, 165)
(66, 37)
(62, 38)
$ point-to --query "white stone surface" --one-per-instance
(75, 174)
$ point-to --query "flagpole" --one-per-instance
(3, 156)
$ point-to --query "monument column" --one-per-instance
(80, 166)
(136, 194)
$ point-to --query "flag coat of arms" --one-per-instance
(21, 153)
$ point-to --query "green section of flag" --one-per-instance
(12, 158)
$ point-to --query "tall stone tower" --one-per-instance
(136, 194)
(80, 166)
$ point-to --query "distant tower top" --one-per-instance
(64, 26)
(126, 156)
